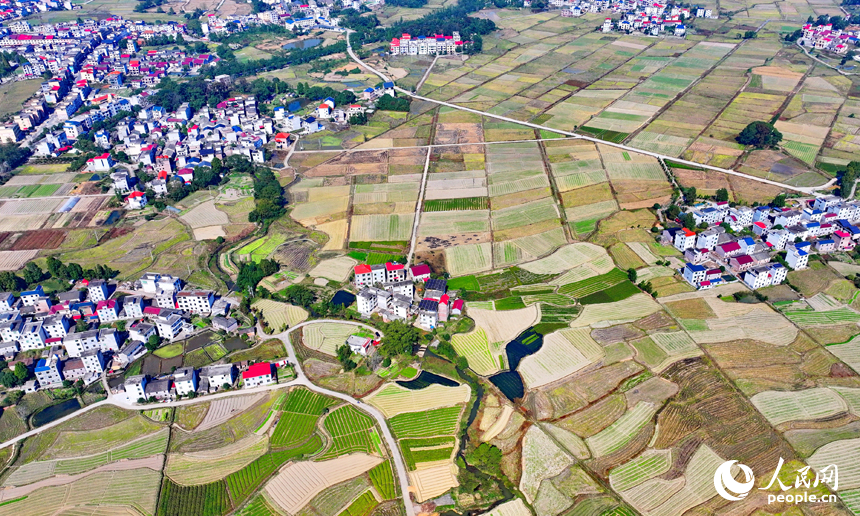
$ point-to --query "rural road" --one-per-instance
(805, 190)
(301, 379)
(418, 208)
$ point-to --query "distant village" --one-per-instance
(101, 327)
(649, 18)
(714, 255)
(825, 37)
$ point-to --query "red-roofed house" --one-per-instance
(742, 262)
(728, 250)
(108, 311)
(685, 239)
(186, 174)
(101, 163)
(363, 275)
(324, 111)
(394, 272)
(457, 307)
(136, 200)
(420, 272)
(282, 140)
(259, 374)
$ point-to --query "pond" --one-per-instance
(425, 379)
(56, 411)
(305, 43)
(510, 382)
(235, 343)
(353, 84)
(198, 341)
(343, 298)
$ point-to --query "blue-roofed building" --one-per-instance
(31, 297)
(694, 274)
(48, 372)
(797, 258)
(388, 89)
(825, 245)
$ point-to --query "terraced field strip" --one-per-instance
(648, 465)
(475, 347)
(362, 506)
(299, 416)
(593, 284)
(428, 449)
(350, 432)
(809, 404)
(621, 431)
(382, 479)
(245, 482)
(442, 421)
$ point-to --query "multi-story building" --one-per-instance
(185, 381)
(169, 327)
(195, 301)
(685, 239)
(55, 326)
(98, 290)
(48, 372)
(135, 388)
(32, 336)
(93, 361)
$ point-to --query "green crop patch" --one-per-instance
(604, 134)
(428, 423)
(201, 500)
(350, 432)
(463, 283)
(244, 482)
(299, 416)
(382, 479)
(614, 293)
(426, 450)
(362, 506)
(589, 286)
(510, 303)
(466, 203)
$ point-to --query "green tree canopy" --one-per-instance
(759, 134)
(398, 340)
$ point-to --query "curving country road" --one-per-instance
(121, 401)
(805, 190)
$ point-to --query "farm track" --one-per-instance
(806, 190)
(413, 242)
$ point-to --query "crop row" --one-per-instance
(299, 417)
(441, 421)
(383, 480)
(350, 432)
(593, 284)
(362, 506)
(466, 203)
(201, 500)
(245, 481)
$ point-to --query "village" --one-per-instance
(759, 245)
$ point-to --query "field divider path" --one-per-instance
(427, 73)
(415, 223)
(806, 190)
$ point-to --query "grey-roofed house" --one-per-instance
(159, 389)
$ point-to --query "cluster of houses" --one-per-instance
(438, 44)
(15, 9)
(389, 290)
(826, 224)
(206, 380)
(825, 37)
(295, 16)
(159, 305)
(646, 17)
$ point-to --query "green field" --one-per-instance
(596, 284)
(245, 482)
(350, 432)
(475, 347)
(362, 506)
(426, 450)
(463, 282)
(812, 317)
(202, 500)
(383, 480)
(299, 416)
(441, 421)
(604, 134)
(466, 203)
(170, 350)
(614, 293)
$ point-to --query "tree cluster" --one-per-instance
(398, 339)
(252, 273)
(340, 97)
(344, 356)
(760, 135)
(848, 177)
(389, 103)
(13, 378)
(11, 156)
(9, 62)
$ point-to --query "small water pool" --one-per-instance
(303, 44)
(343, 298)
(426, 379)
(56, 411)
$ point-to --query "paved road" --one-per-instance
(121, 401)
(805, 51)
(806, 190)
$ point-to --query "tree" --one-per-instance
(32, 273)
(300, 295)
(778, 201)
(486, 458)
(631, 274)
(358, 119)
(8, 379)
(152, 343)
(120, 326)
(759, 135)
(722, 195)
(81, 325)
(750, 34)
(848, 178)
(21, 372)
(399, 339)
(690, 194)
(13, 397)
(344, 356)
(9, 281)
